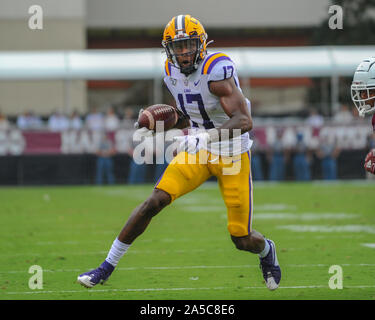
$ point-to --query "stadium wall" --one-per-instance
(64, 28)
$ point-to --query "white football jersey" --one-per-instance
(194, 99)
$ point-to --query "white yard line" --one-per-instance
(274, 207)
(178, 289)
(307, 216)
(329, 228)
(199, 267)
(369, 245)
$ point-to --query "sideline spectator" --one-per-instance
(29, 121)
(128, 121)
(58, 122)
(256, 161)
(276, 158)
(328, 152)
(95, 120)
(301, 165)
(23, 121)
(315, 119)
(343, 116)
(4, 123)
(111, 121)
(75, 121)
(137, 172)
(104, 163)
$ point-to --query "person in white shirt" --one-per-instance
(315, 119)
(4, 123)
(344, 116)
(95, 120)
(29, 121)
(75, 121)
(111, 121)
(58, 122)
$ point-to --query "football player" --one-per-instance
(207, 92)
(363, 96)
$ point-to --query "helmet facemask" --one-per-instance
(363, 97)
(184, 53)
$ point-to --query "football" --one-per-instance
(158, 112)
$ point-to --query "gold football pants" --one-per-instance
(186, 172)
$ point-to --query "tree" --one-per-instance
(358, 25)
(358, 29)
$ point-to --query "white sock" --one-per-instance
(118, 249)
(265, 250)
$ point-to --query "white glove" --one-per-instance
(192, 143)
(143, 131)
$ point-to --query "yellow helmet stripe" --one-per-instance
(173, 28)
(167, 68)
(206, 66)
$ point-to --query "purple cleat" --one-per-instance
(98, 275)
(270, 267)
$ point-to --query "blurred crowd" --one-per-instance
(271, 163)
(59, 121)
(109, 120)
(299, 158)
(267, 164)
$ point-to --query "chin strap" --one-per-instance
(209, 42)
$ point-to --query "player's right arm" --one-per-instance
(234, 105)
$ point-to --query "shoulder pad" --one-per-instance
(218, 66)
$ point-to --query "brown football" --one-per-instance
(158, 112)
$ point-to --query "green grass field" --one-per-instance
(186, 252)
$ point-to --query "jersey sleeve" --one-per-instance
(218, 67)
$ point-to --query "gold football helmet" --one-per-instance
(184, 41)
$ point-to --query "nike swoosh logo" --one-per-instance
(233, 161)
(196, 83)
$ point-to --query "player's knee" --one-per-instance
(155, 203)
(237, 230)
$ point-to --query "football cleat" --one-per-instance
(270, 267)
(99, 275)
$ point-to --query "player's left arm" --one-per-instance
(234, 105)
